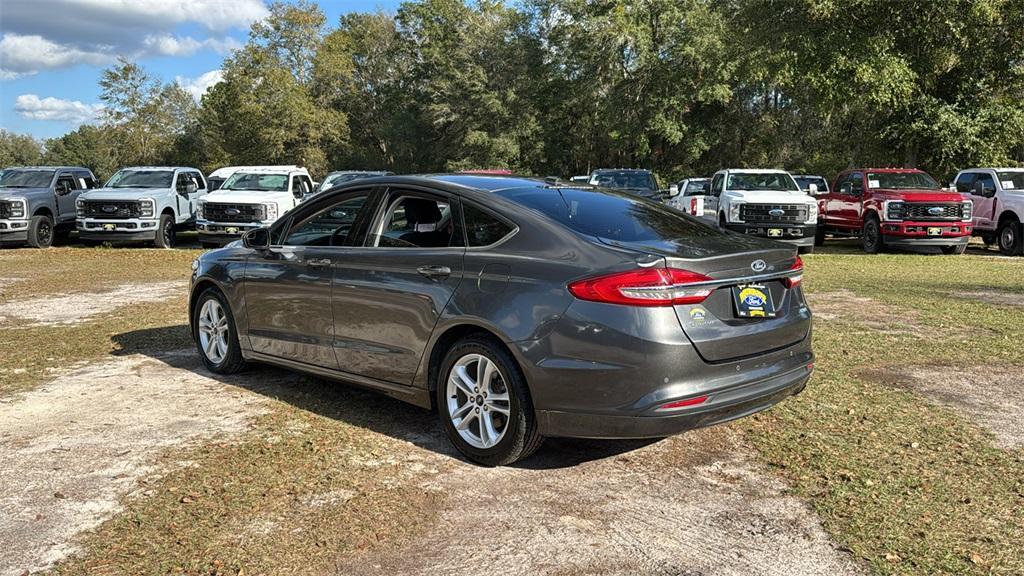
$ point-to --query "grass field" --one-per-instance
(908, 483)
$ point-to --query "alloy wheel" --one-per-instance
(213, 331)
(478, 401)
(45, 233)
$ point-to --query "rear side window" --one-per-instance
(612, 215)
(483, 229)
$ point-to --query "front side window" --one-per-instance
(986, 181)
(716, 185)
(416, 222)
(482, 228)
(775, 181)
(66, 183)
(26, 178)
(141, 179)
(331, 226)
(965, 182)
(857, 183)
(252, 182)
(902, 181)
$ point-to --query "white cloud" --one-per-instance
(22, 55)
(168, 45)
(198, 86)
(71, 111)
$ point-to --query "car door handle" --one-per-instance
(319, 262)
(435, 271)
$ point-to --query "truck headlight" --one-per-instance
(18, 207)
(812, 214)
(734, 211)
(894, 210)
(968, 211)
(146, 208)
(199, 211)
(270, 210)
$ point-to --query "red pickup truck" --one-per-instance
(894, 207)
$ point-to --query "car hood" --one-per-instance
(770, 196)
(246, 197)
(7, 193)
(918, 195)
(122, 193)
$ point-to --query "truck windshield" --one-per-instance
(256, 182)
(1016, 178)
(902, 181)
(805, 183)
(775, 181)
(141, 179)
(625, 180)
(26, 178)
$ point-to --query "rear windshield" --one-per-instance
(611, 215)
(805, 183)
(902, 181)
(697, 188)
(26, 178)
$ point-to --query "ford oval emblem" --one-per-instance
(777, 212)
(936, 210)
(758, 265)
(232, 211)
(109, 209)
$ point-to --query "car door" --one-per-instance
(983, 190)
(712, 200)
(200, 191)
(288, 288)
(389, 294)
(849, 202)
(66, 189)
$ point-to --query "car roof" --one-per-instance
(1008, 169)
(229, 170)
(807, 176)
(756, 170)
(82, 168)
(621, 170)
(159, 168)
(270, 170)
(884, 170)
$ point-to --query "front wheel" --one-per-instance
(213, 327)
(485, 405)
(819, 236)
(957, 249)
(1011, 240)
(872, 236)
(40, 232)
(165, 235)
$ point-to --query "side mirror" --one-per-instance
(812, 189)
(673, 190)
(190, 188)
(258, 239)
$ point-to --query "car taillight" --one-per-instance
(644, 287)
(683, 403)
(794, 281)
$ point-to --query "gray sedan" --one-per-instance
(517, 308)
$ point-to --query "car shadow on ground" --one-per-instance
(172, 346)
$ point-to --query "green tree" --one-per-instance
(88, 146)
(19, 149)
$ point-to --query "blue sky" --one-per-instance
(53, 51)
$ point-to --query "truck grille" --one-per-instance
(773, 212)
(5, 209)
(218, 212)
(924, 212)
(112, 209)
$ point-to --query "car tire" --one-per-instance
(819, 236)
(165, 235)
(871, 236)
(805, 249)
(955, 249)
(40, 232)
(216, 338)
(1010, 237)
(209, 245)
(497, 425)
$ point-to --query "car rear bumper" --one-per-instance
(798, 235)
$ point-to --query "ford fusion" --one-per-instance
(518, 308)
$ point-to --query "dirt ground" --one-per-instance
(77, 307)
(995, 297)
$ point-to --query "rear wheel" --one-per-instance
(1011, 240)
(165, 233)
(819, 236)
(213, 327)
(957, 249)
(872, 236)
(485, 405)
(40, 232)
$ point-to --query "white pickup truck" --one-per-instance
(998, 198)
(765, 203)
(251, 197)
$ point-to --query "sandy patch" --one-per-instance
(694, 504)
(993, 397)
(995, 297)
(846, 306)
(77, 307)
(73, 448)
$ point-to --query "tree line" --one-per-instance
(559, 87)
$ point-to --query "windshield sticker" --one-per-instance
(874, 183)
(1007, 184)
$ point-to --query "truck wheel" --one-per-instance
(819, 236)
(872, 236)
(165, 233)
(957, 249)
(40, 232)
(1011, 241)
